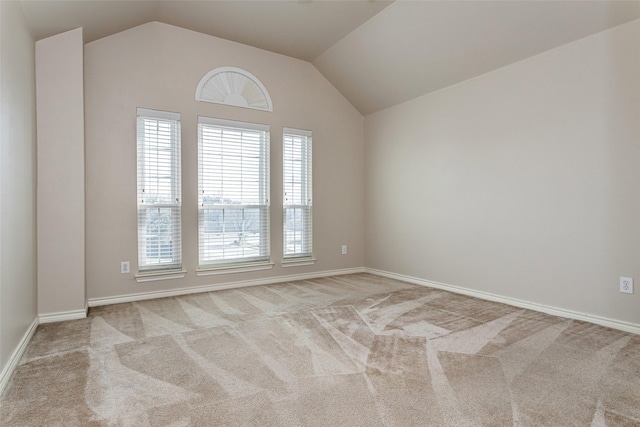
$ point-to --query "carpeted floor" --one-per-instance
(356, 350)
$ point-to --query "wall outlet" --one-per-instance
(124, 267)
(344, 249)
(626, 285)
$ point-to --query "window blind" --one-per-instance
(233, 187)
(159, 191)
(297, 186)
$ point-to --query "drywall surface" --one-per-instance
(17, 180)
(61, 263)
(523, 182)
(158, 66)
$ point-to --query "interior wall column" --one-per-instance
(60, 166)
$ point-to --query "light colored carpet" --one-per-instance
(356, 350)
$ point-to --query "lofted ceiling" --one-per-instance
(301, 29)
(377, 53)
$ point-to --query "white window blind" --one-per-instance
(297, 183)
(159, 192)
(233, 187)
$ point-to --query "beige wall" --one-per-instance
(17, 180)
(158, 66)
(59, 78)
(523, 182)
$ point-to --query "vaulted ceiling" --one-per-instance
(377, 53)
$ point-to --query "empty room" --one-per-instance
(319, 213)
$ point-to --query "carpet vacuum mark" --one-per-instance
(354, 350)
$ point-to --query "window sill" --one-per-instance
(163, 275)
(298, 262)
(235, 268)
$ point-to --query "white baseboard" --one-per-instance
(62, 316)
(94, 302)
(12, 363)
(555, 311)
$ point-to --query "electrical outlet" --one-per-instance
(626, 285)
(344, 249)
(124, 267)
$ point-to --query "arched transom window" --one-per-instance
(233, 86)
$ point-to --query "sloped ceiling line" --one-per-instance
(377, 53)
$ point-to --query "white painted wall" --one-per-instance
(61, 233)
(523, 182)
(17, 180)
(158, 66)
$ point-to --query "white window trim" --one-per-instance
(173, 270)
(224, 86)
(158, 114)
(238, 266)
(301, 132)
(155, 276)
(298, 262)
(234, 124)
(295, 260)
(235, 268)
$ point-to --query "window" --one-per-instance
(159, 196)
(233, 192)
(234, 86)
(296, 162)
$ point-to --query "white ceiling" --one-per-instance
(413, 48)
(377, 53)
(301, 29)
